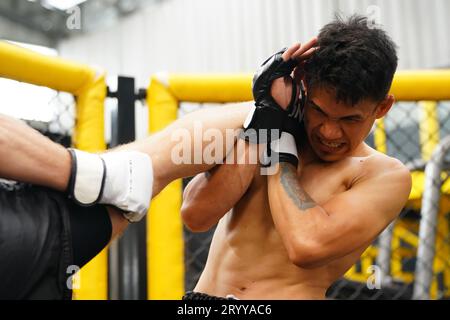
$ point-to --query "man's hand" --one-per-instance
(281, 88)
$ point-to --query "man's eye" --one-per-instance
(352, 119)
(317, 110)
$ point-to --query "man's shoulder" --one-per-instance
(381, 161)
(385, 182)
(381, 166)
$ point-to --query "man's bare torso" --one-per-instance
(247, 258)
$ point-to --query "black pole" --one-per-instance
(113, 256)
(132, 253)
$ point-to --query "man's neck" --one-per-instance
(306, 153)
(308, 156)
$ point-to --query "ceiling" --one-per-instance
(47, 25)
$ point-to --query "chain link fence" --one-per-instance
(50, 112)
(388, 268)
(60, 127)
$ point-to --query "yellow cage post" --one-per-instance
(89, 88)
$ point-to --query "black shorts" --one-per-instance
(191, 295)
(43, 235)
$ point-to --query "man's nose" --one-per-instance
(331, 130)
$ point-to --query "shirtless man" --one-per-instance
(277, 242)
(290, 235)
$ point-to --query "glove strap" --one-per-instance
(283, 150)
(87, 177)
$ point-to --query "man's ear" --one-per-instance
(384, 106)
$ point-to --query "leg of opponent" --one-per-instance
(28, 156)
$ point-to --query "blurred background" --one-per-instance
(131, 40)
(141, 37)
(138, 37)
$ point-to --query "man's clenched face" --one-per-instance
(335, 129)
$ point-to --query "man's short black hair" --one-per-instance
(354, 58)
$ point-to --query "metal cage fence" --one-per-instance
(56, 110)
(60, 128)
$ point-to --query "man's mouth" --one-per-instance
(331, 145)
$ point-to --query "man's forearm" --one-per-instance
(296, 215)
(288, 200)
(291, 186)
(209, 196)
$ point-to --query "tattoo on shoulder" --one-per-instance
(294, 190)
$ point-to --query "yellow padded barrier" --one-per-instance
(27, 66)
(211, 88)
(89, 136)
(408, 85)
(90, 127)
(165, 243)
(421, 85)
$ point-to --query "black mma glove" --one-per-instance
(268, 122)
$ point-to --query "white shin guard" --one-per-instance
(123, 179)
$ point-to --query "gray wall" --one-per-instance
(236, 35)
(14, 31)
